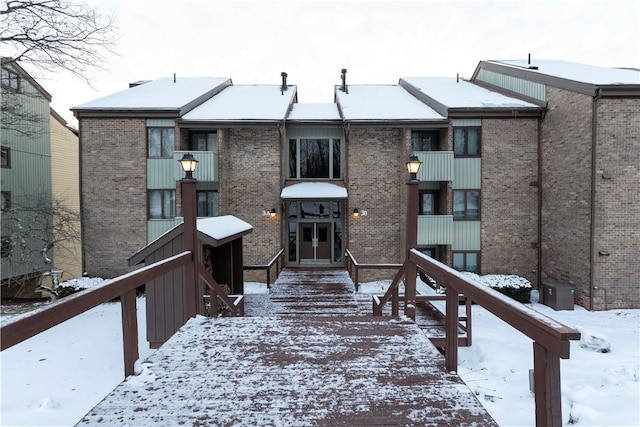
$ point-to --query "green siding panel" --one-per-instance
(467, 173)
(466, 236)
(466, 122)
(161, 123)
(163, 173)
(157, 227)
(435, 229)
(522, 86)
(436, 165)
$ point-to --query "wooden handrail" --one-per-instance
(550, 338)
(235, 305)
(30, 324)
(352, 263)
(268, 266)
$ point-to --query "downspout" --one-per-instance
(540, 189)
(594, 129)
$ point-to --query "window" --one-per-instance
(204, 142)
(466, 261)
(160, 141)
(466, 142)
(425, 140)
(207, 202)
(10, 80)
(6, 157)
(6, 200)
(6, 247)
(428, 203)
(318, 158)
(466, 204)
(162, 204)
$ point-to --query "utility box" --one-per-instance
(558, 296)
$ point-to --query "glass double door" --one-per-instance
(315, 243)
(315, 231)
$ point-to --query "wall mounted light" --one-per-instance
(357, 212)
(271, 213)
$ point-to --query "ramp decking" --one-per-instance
(315, 361)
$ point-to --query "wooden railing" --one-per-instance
(354, 268)
(268, 266)
(30, 324)
(551, 339)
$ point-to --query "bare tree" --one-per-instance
(56, 34)
(36, 225)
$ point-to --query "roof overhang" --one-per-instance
(313, 191)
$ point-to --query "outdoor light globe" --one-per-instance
(188, 163)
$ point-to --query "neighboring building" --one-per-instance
(589, 173)
(315, 165)
(26, 179)
(65, 178)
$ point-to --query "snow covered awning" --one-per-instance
(313, 190)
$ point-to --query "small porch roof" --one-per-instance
(214, 231)
(313, 190)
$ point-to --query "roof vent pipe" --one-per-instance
(174, 77)
(344, 80)
(529, 60)
(457, 77)
(283, 88)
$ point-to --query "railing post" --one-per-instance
(357, 281)
(395, 302)
(129, 331)
(546, 385)
(190, 236)
(451, 330)
(268, 277)
(412, 242)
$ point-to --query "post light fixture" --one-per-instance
(413, 166)
(188, 163)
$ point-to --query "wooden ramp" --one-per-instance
(325, 369)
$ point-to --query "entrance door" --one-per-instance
(315, 243)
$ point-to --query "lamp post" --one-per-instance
(413, 166)
(190, 234)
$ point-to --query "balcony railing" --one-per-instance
(435, 230)
(163, 173)
(436, 165)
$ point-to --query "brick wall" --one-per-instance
(509, 204)
(250, 182)
(617, 205)
(113, 174)
(377, 183)
(566, 190)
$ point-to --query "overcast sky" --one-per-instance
(378, 42)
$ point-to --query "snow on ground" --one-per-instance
(56, 377)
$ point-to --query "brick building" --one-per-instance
(316, 179)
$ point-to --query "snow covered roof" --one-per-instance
(245, 103)
(222, 227)
(584, 73)
(452, 93)
(214, 231)
(314, 190)
(163, 94)
(314, 112)
(383, 102)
